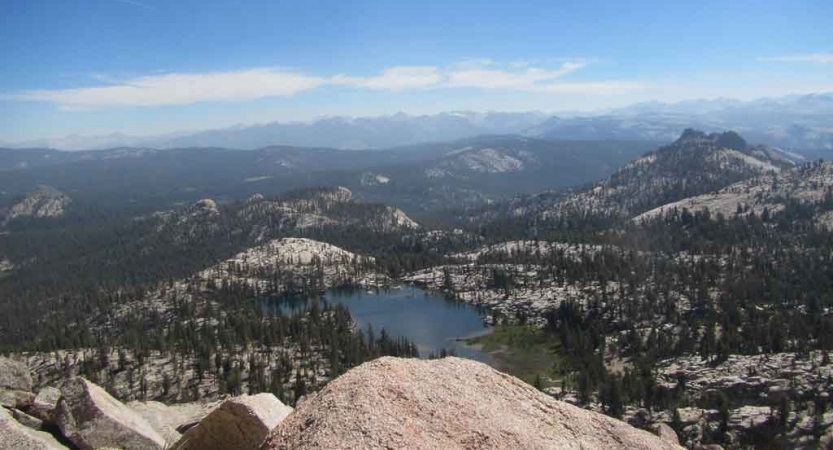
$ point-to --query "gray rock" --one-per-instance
(16, 399)
(640, 419)
(14, 375)
(665, 432)
(747, 417)
(777, 393)
(14, 436)
(90, 418)
(240, 423)
(168, 420)
(45, 403)
(826, 442)
(26, 420)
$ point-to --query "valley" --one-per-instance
(416, 225)
(688, 288)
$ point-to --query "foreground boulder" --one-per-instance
(453, 403)
(240, 423)
(170, 420)
(14, 436)
(90, 418)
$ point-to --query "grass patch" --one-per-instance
(523, 351)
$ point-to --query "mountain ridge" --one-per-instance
(793, 121)
(696, 163)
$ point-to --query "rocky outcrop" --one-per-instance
(452, 403)
(45, 202)
(240, 423)
(14, 436)
(756, 387)
(298, 256)
(772, 192)
(90, 418)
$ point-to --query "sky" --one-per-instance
(145, 67)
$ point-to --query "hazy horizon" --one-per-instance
(146, 67)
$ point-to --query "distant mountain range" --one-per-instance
(333, 132)
(801, 123)
(463, 172)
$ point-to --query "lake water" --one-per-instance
(430, 321)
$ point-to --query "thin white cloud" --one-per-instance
(470, 73)
(395, 78)
(820, 58)
(527, 79)
(251, 84)
(180, 89)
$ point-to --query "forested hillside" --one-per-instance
(425, 177)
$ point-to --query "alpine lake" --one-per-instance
(431, 321)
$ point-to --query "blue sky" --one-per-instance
(154, 66)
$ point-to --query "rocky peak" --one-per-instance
(731, 140)
(727, 139)
(690, 134)
(697, 163)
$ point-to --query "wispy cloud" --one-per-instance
(179, 89)
(820, 58)
(480, 74)
(182, 89)
(528, 78)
